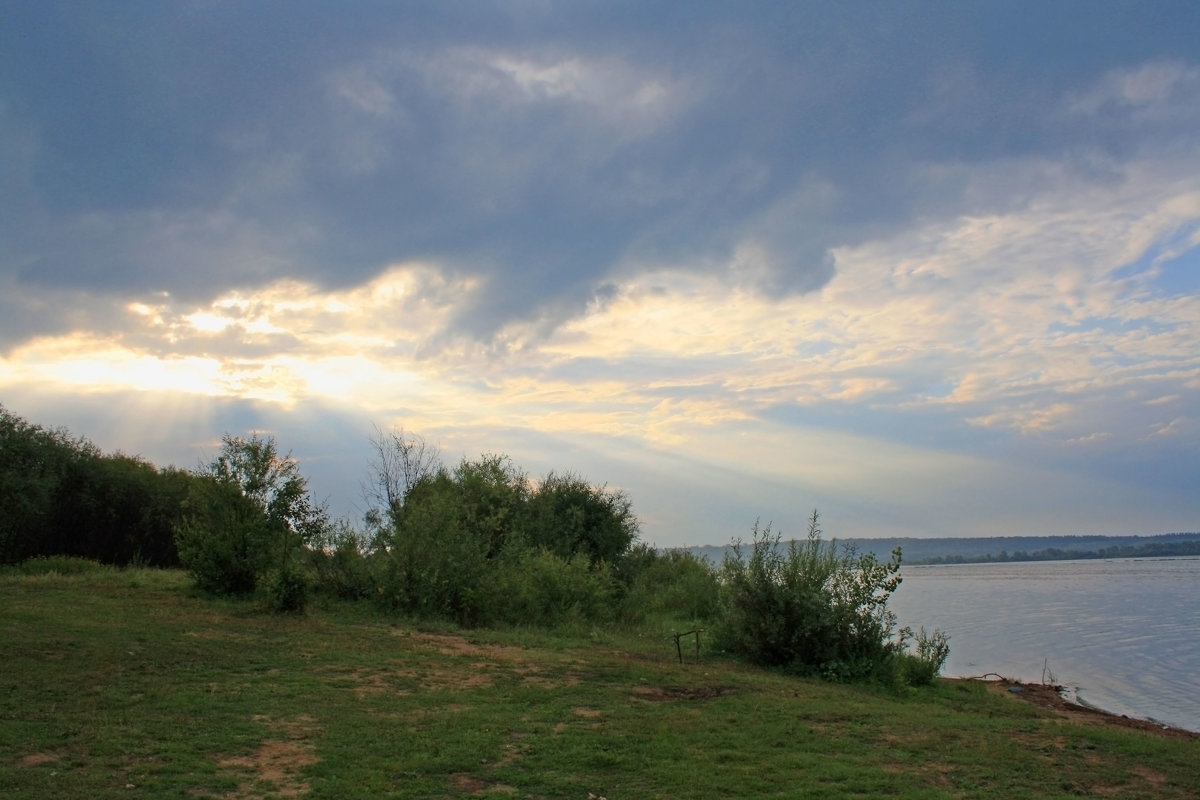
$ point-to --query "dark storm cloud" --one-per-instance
(195, 147)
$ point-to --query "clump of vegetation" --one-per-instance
(816, 609)
(251, 518)
(63, 497)
(477, 544)
(483, 544)
(921, 665)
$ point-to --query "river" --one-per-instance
(1122, 635)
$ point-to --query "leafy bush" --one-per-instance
(481, 543)
(341, 563)
(813, 608)
(569, 516)
(224, 541)
(430, 562)
(674, 584)
(286, 588)
(538, 587)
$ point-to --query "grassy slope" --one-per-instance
(125, 684)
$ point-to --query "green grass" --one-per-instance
(127, 684)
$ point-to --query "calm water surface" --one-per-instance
(1123, 634)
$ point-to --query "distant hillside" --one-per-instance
(1010, 548)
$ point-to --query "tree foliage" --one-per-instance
(62, 496)
(473, 544)
(251, 518)
(568, 517)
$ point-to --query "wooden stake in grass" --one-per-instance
(678, 636)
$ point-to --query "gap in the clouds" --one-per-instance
(1180, 275)
(1172, 266)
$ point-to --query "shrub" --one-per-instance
(537, 587)
(430, 563)
(480, 543)
(224, 541)
(813, 608)
(673, 584)
(340, 561)
(921, 665)
(569, 516)
(286, 588)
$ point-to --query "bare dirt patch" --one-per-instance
(463, 782)
(590, 713)
(277, 761)
(37, 759)
(662, 694)
(449, 644)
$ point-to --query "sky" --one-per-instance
(930, 267)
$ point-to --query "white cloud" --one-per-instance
(1153, 88)
(627, 99)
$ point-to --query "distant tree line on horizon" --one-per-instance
(1002, 549)
(1148, 550)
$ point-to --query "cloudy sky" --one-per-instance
(932, 267)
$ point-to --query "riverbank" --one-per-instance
(127, 684)
(1052, 697)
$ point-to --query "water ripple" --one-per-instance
(1124, 634)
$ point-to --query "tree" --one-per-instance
(569, 516)
(34, 465)
(399, 462)
(250, 520)
(61, 496)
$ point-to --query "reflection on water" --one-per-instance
(1124, 634)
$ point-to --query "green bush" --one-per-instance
(251, 513)
(569, 516)
(921, 665)
(812, 608)
(674, 584)
(286, 588)
(482, 544)
(224, 541)
(537, 587)
(341, 563)
(431, 563)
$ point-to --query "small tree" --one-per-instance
(399, 461)
(251, 522)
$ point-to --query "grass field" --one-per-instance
(127, 684)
